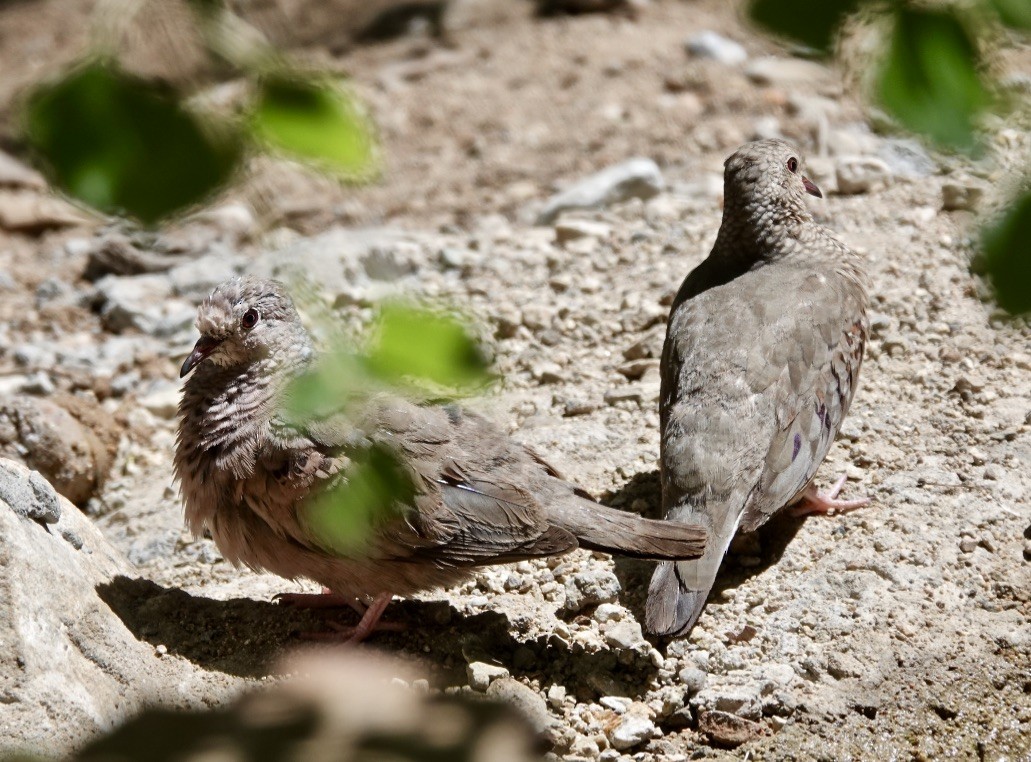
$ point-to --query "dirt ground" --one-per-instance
(899, 631)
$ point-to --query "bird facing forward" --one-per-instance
(761, 359)
(249, 473)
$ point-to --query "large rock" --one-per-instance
(143, 303)
(636, 178)
(354, 266)
(69, 668)
(48, 438)
(709, 44)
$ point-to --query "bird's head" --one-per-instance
(245, 320)
(768, 174)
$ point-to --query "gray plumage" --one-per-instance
(762, 354)
(247, 475)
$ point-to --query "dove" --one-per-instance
(249, 472)
(761, 359)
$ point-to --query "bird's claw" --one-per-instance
(327, 599)
(354, 634)
(826, 503)
(351, 634)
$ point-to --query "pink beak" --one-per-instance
(810, 188)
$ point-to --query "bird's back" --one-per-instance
(757, 374)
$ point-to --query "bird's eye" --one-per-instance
(250, 319)
(792, 164)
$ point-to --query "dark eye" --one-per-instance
(793, 164)
(250, 319)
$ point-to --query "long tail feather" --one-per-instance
(598, 527)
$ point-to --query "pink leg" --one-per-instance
(369, 624)
(327, 599)
(814, 501)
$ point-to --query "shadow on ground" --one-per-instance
(245, 636)
(750, 554)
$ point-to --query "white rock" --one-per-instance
(196, 278)
(861, 174)
(784, 72)
(693, 679)
(906, 158)
(618, 704)
(778, 675)
(162, 400)
(623, 634)
(636, 178)
(233, 217)
(590, 588)
(29, 211)
(709, 44)
(609, 612)
(12, 384)
(814, 109)
(525, 700)
(743, 700)
(79, 669)
(766, 128)
(851, 140)
(557, 696)
(821, 170)
(136, 302)
(569, 230)
(632, 731)
(481, 674)
(14, 174)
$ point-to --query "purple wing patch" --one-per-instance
(796, 447)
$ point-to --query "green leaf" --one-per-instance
(122, 144)
(374, 491)
(316, 121)
(1007, 257)
(206, 7)
(930, 80)
(417, 343)
(812, 22)
(1014, 13)
(339, 378)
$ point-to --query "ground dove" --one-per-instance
(249, 472)
(762, 354)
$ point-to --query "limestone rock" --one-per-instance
(636, 178)
(69, 667)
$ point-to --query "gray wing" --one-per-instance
(471, 505)
(818, 361)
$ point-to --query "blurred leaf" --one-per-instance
(930, 80)
(1007, 257)
(123, 144)
(314, 121)
(1014, 13)
(206, 7)
(376, 490)
(330, 387)
(418, 343)
(812, 22)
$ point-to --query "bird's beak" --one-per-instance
(810, 188)
(205, 346)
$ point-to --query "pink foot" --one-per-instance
(369, 624)
(327, 599)
(814, 501)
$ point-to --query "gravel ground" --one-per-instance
(899, 631)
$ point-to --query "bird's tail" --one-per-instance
(678, 590)
(598, 527)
